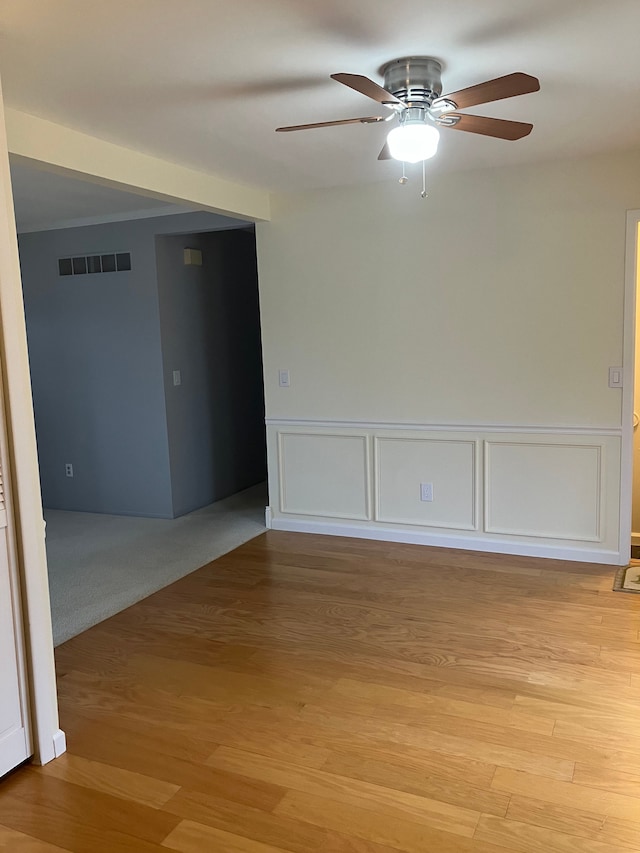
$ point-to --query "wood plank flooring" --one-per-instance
(323, 695)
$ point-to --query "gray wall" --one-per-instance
(210, 326)
(97, 368)
(96, 372)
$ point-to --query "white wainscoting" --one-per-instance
(402, 464)
(551, 491)
(545, 491)
(324, 474)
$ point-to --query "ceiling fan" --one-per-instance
(412, 91)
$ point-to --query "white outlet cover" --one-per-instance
(426, 491)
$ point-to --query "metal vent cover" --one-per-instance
(88, 264)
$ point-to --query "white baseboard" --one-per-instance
(54, 748)
(267, 517)
(418, 537)
(59, 742)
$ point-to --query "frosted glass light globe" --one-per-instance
(413, 141)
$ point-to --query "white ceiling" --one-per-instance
(204, 82)
(45, 200)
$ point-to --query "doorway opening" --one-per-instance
(144, 342)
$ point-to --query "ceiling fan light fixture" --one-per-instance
(413, 141)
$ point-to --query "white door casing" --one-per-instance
(27, 555)
(15, 740)
(628, 363)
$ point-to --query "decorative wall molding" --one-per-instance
(494, 526)
(475, 428)
(327, 512)
(550, 494)
(468, 543)
(446, 518)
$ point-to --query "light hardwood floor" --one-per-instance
(323, 695)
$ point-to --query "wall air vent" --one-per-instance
(86, 264)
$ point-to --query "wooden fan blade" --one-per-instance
(497, 127)
(385, 154)
(363, 120)
(493, 90)
(368, 87)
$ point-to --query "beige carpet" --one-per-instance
(101, 564)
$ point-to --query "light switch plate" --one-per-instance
(284, 380)
(615, 377)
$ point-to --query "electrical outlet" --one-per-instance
(426, 491)
(68, 469)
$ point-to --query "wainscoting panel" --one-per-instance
(544, 490)
(538, 491)
(402, 464)
(324, 474)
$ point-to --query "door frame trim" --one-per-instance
(25, 481)
(628, 366)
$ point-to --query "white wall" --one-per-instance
(494, 305)
(96, 371)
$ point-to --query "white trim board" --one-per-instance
(25, 479)
(422, 427)
(628, 367)
(59, 743)
(412, 537)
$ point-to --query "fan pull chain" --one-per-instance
(423, 194)
(403, 180)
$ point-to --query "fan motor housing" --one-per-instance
(415, 80)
